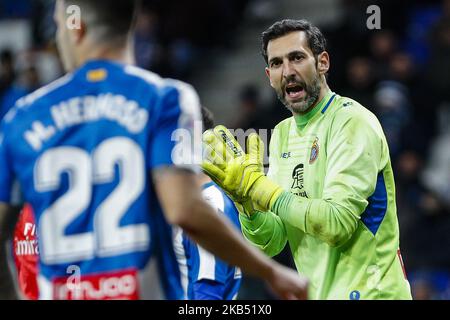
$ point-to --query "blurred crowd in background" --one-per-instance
(400, 72)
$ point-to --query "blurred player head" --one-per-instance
(297, 62)
(104, 30)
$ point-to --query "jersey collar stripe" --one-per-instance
(328, 104)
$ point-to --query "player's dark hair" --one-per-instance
(207, 118)
(316, 40)
(110, 19)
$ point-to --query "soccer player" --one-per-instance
(204, 276)
(92, 154)
(329, 190)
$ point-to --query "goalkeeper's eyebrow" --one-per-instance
(290, 55)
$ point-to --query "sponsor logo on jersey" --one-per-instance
(298, 181)
(297, 176)
(303, 194)
(314, 151)
(285, 155)
(114, 285)
(28, 245)
(348, 103)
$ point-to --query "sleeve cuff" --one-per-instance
(292, 209)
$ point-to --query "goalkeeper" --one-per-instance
(329, 190)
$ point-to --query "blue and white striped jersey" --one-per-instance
(81, 150)
(204, 276)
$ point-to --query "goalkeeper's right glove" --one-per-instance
(240, 175)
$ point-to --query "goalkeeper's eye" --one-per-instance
(275, 63)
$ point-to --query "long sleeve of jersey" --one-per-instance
(354, 152)
(265, 230)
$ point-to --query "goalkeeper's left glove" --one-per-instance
(241, 175)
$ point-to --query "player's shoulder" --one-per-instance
(214, 195)
(348, 110)
(219, 200)
(284, 123)
(283, 127)
(42, 95)
(165, 86)
(170, 91)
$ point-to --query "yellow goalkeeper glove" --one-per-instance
(241, 175)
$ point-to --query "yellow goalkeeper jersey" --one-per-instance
(338, 211)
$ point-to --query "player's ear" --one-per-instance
(79, 33)
(267, 70)
(323, 62)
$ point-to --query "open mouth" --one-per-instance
(294, 91)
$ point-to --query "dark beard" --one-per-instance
(311, 97)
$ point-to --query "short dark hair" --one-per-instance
(316, 40)
(111, 18)
(207, 118)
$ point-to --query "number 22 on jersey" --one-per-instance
(108, 238)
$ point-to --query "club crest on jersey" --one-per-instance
(96, 75)
(314, 151)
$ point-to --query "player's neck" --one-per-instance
(121, 54)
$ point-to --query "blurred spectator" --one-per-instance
(437, 70)
(7, 72)
(421, 17)
(383, 44)
(393, 108)
(148, 51)
(401, 68)
(249, 108)
(181, 55)
(422, 290)
(30, 79)
(436, 175)
(360, 81)
(425, 224)
(9, 90)
(430, 285)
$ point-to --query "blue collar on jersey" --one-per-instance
(328, 103)
(98, 63)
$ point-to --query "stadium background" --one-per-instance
(400, 72)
